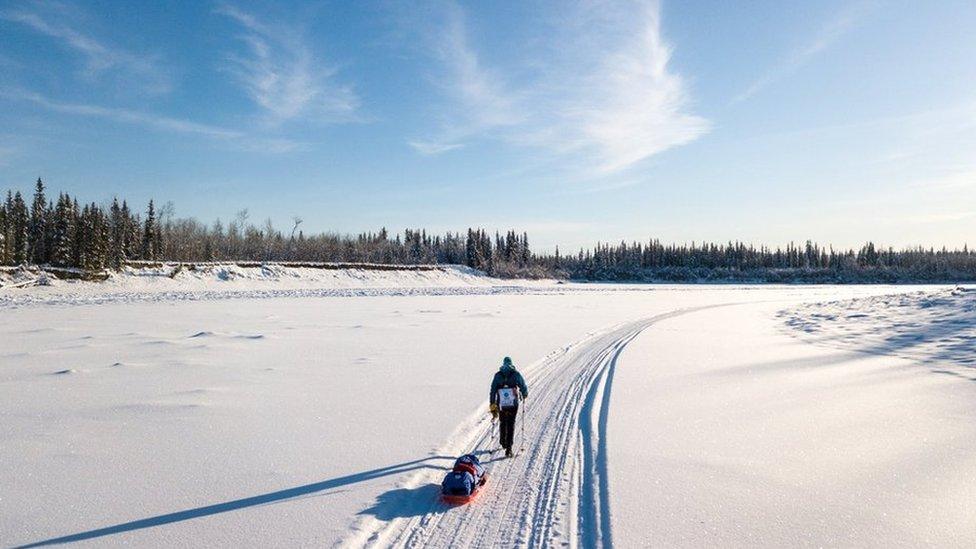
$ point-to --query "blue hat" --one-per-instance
(507, 361)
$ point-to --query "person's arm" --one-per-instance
(522, 386)
(493, 392)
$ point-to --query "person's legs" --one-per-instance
(507, 429)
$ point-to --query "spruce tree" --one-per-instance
(68, 236)
(489, 257)
(471, 250)
(21, 231)
(84, 234)
(8, 230)
(149, 234)
(38, 226)
(49, 231)
(64, 233)
(78, 236)
(81, 235)
(4, 259)
(116, 245)
(158, 241)
(130, 232)
(510, 246)
(94, 227)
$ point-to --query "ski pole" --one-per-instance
(491, 437)
(525, 411)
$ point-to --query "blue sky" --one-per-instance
(840, 121)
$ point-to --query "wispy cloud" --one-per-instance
(485, 100)
(280, 73)
(602, 90)
(237, 138)
(825, 37)
(62, 23)
(635, 107)
(431, 148)
(124, 115)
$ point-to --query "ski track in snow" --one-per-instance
(554, 492)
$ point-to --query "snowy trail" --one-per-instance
(555, 492)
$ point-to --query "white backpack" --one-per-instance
(507, 398)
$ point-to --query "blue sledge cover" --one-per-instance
(458, 483)
(464, 480)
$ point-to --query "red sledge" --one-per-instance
(465, 480)
(461, 499)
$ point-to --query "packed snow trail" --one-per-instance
(554, 492)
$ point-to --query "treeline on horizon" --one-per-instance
(63, 233)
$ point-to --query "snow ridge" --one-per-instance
(928, 326)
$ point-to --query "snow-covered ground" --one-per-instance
(288, 416)
(748, 436)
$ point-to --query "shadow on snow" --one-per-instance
(384, 507)
(404, 502)
(418, 501)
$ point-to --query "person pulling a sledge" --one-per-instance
(507, 390)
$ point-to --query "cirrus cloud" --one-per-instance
(66, 25)
(603, 92)
(281, 74)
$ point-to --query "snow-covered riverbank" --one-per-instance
(281, 422)
(227, 281)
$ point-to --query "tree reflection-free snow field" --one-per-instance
(282, 421)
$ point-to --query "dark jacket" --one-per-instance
(507, 376)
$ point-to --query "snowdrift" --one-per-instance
(171, 276)
(211, 275)
(194, 282)
(927, 326)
